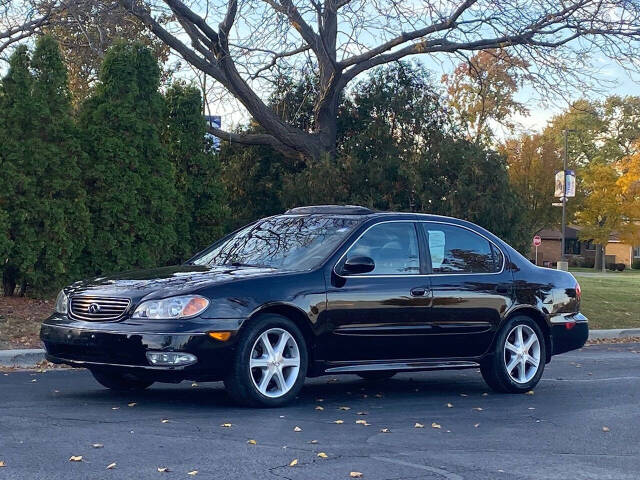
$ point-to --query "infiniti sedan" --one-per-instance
(323, 290)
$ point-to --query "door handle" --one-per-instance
(418, 291)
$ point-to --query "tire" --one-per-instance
(374, 376)
(495, 369)
(119, 382)
(261, 379)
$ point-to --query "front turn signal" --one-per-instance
(222, 336)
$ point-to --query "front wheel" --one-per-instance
(270, 363)
(518, 358)
(119, 382)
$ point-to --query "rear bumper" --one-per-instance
(568, 332)
(119, 347)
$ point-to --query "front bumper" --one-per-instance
(124, 345)
(568, 332)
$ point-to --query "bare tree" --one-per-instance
(257, 40)
(19, 19)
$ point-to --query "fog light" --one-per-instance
(174, 359)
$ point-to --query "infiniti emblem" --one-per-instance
(94, 308)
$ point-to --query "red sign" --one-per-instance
(537, 241)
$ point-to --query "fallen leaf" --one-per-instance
(531, 408)
(384, 430)
(418, 425)
(297, 429)
(362, 413)
(226, 425)
(2, 464)
(194, 384)
(378, 395)
(449, 405)
(319, 399)
(75, 458)
(476, 425)
(252, 442)
(132, 404)
(97, 445)
(293, 462)
(339, 421)
(111, 466)
(363, 422)
(464, 395)
(485, 394)
(163, 469)
(436, 425)
(115, 408)
(530, 392)
(319, 408)
(344, 408)
(192, 472)
(164, 420)
(355, 474)
(323, 455)
(477, 409)
(606, 429)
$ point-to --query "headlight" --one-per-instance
(61, 302)
(174, 307)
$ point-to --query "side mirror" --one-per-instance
(358, 265)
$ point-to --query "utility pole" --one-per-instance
(564, 196)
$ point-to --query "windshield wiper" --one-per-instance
(240, 264)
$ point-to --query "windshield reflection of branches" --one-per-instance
(287, 242)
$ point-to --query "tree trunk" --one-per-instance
(9, 280)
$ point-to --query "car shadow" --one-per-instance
(321, 390)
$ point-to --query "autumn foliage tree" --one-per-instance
(611, 203)
(482, 90)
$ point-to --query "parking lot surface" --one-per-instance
(581, 422)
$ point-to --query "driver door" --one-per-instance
(376, 315)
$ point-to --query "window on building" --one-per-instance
(636, 252)
(589, 245)
(572, 246)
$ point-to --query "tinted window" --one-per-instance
(291, 242)
(393, 246)
(458, 250)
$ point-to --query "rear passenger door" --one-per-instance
(471, 289)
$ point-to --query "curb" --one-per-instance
(614, 333)
(21, 358)
(32, 357)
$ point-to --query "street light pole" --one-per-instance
(564, 196)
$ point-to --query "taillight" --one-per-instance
(578, 292)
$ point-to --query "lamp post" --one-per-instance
(563, 256)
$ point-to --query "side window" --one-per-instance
(393, 246)
(458, 250)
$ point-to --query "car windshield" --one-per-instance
(289, 242)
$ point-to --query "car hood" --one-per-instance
(166, 281)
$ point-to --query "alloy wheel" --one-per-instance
(522, 353)
(275, 362)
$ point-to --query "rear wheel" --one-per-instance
(120, 382)
(373, 376)
(518, 359)
(270, 363)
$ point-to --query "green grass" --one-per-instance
(610, 300)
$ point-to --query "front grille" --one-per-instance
(97, 309)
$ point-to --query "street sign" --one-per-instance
(537, 241)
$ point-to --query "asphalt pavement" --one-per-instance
(581, 422)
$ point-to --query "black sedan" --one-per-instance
(323, 290)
